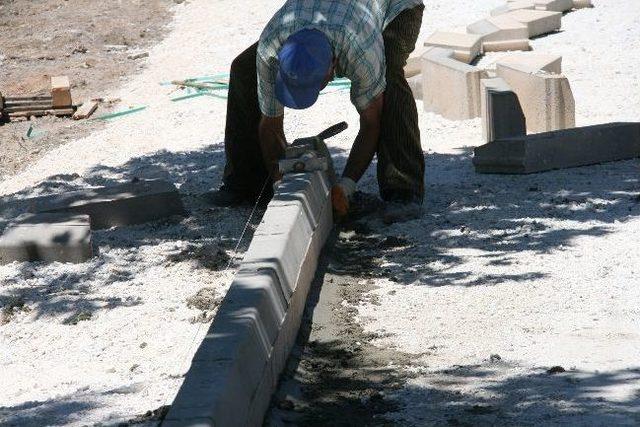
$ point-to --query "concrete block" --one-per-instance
(502, 116)
(546, 99)
(47, 237)
(560, 149)
(415, 84)
(118, 205)
(510, 6)
(538, 22)
(466, 47)
(499, 28)
(449, 87)
(581, 4)
(506, 46)
(235, 370)
(554, 5)
(533, 62)
(414, 63)
(61, 92)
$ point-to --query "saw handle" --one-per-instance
(333, 130)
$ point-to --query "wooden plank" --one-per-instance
(51, 112)
(21, 103)
(86, 110)
(27, 98)
(27, 107)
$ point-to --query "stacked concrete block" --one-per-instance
(118, 205)
(554, 5)
(559, 149)
(510, 6)
(502, 115)
(47, 238)
(546, 98)
(449, 87)
(466, 47)
(538, 22)
(236, 368)
(500, 33)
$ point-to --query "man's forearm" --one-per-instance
(272, 143)
(362, 152)
(366, 143)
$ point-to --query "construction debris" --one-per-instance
(85, 110)
(58, 103)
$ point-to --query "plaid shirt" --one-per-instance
(354, 29)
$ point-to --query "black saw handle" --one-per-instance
(333, 130)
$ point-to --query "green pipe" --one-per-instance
(120, 113)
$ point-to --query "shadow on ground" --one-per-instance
(538, 398)
(204, 234)
(494, 217)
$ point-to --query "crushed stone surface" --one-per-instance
(535, 270)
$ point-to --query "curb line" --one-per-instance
(236, 368)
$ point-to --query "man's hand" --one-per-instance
(272, 143)
(360, 158)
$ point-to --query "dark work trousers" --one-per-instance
(400, 158)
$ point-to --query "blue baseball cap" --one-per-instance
(305, 58)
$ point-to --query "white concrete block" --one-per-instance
(546, 99)
(533, 62)
(449, 87)
(499, 28)
(554, 5)
(466, 47)
(538, 21)
(510, 6)
(506, 46)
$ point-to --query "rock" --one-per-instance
(556, 370)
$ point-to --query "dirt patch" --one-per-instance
(86, 40)
(334, 369)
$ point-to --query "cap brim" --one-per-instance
(296, 97)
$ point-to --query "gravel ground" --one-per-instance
(517, 267)
(506, 278)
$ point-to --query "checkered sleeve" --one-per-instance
(269, 104)
(367, 74)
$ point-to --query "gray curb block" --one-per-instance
(236, 368)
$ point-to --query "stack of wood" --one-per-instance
(58, 103)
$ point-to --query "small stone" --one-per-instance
(495, 358)
(555, 370)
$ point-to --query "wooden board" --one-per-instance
(8, 109)
(49, 112)
(86, 109)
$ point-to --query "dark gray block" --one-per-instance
(47, 237)
(560, 149)
(236, 368)
(501, 111)
(119, 205)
